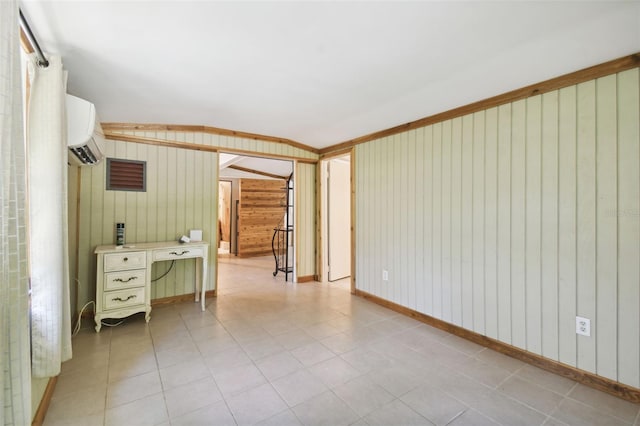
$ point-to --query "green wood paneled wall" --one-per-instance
(181, 195)
(305, 228)
(512, 221)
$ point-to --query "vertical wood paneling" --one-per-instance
(606, 227)
(467, 222)
(141, 214)
(518, 224)
(395, 272)
(527, 215)
(478, 211)
(173, 203)
(586, 219)
(305, 198)
(370, 285)
(504, 224)
(532, 228)
(491, 222)
(412, 228)
(419, 217)
(446, 219)
(627, 212)
(429, 178)
(378, 214)
(403, 218)
(456, 223)
(549, 226)
(567, 225)
(180, 200)
(436, 250)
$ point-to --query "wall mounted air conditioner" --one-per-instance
(84, 133)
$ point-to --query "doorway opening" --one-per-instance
(257, 209)
(336, 218)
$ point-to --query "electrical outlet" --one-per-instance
(385, 275)
(583, 326)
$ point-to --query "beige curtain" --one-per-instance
(15, 379)
(48, 228)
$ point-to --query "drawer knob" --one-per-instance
(120, 280)
(179, 254)
(119, 299)
(125, 259)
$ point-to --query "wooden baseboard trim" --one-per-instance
(254, 254)
(609, 386)
(305, 279)
(89, 314)
(180, 298)
(43, 407)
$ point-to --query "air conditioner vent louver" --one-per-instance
(85, 155)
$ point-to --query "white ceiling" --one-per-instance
(320, 72)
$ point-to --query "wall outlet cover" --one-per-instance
(583, 326)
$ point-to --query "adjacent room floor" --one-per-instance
(277, 353)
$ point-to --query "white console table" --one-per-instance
(123, 280)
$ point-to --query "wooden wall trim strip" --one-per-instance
(43, 407)
(587, 74)
(305, 279)
(158, 142)
(163, 301)
(592, 380)
(352, 181)
(197, 147)
(334, 154)
(114, 127)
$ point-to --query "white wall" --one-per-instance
(511, 221)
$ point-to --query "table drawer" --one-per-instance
(125, 261)
(178, 253)
(126, 279)
(123, 298)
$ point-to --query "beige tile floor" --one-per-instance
(274, 353)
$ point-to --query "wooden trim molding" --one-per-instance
(43, 407)
(163, 301)
(306, 279)
(334, 154)
(197, 147)
(592, 380)
(158, 142)
(587, 74)
(114, 127)
(352, 183)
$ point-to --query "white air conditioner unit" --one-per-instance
(84, 133)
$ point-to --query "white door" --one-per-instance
(339, 218)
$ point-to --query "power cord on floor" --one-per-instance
(78, 326)
(76, 329)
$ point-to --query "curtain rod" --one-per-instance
(42, 60)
